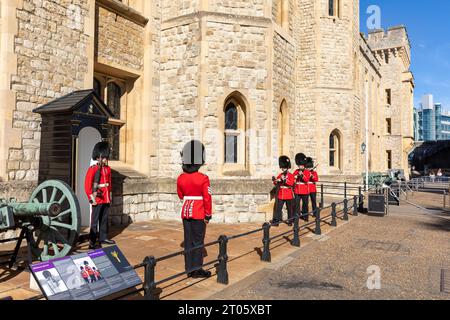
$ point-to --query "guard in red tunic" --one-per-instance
(314, 178)
(302, 177)
(98, 189)
(194, 189)
(284, 184)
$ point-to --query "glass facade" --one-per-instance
(431, 124)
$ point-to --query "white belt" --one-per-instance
(193, 198)
(283, 187)
(105, 185)
(311, 183)
(301, 183)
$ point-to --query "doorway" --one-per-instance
(87, 139)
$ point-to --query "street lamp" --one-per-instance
(363, 151)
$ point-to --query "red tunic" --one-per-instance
(195, 191)
(105, 184)
(301, 185)
(312, 182)
(285, 189)
(89, 270)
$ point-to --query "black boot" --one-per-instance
(201, 273)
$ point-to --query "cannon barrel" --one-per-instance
(52, 209)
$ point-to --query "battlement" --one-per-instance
(394, 37)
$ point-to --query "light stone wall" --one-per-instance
(238, 7)
(120, 40)
(51, 57)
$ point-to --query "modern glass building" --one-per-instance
(430, 122)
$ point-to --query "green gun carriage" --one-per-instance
(50, 221)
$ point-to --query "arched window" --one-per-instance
(231, 133)
(283, 129)
(335, 150)
(235, 128)
(114, 94)
(98, 87)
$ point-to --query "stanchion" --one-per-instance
(333, 215)
(150, 290)
(318, 231)
(361, 200)
(266, 242)
(346, 209)
(222, 273)
(321, 197)
(296, 240)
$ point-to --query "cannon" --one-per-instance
(50, 221)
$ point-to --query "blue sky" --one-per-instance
(428, 24)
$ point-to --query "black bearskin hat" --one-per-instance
(193, 156)
(101, 150)
(285, 162)
(309, 163)
(300, 159)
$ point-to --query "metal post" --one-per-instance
(345, 190)
(346, 209)
(333, 215)
(361, 200)
(150, 290)
(266, 242)
(222, 273)
(445, 196)
(321, 197)
(355, 206)
(296, 240)
(318, 231)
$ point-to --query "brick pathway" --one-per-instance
(410, 247)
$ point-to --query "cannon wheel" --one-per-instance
(57, 235)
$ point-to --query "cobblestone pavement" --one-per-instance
(411, 248)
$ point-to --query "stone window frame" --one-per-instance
(283, 128)
(104, 80)
(389, 126)
(336, 150)
(389, 159)
(388, 96)
(241, 168)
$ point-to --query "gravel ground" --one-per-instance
(408, 247)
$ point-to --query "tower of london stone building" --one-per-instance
(252, 79)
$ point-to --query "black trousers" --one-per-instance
(194, 235)
(303, 198)
(278, 216)
(313, 197)
(99, 223)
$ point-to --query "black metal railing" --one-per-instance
(338, 210)
(150, 285)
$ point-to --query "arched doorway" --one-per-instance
(87, 139)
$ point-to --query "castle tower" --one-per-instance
(328, 53)
(393, 50)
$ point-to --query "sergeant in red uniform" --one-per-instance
(194, 189)
(302, 177)
(284, 183)
(89, 271)
(84, 274)
(98, 189)
(314, 178)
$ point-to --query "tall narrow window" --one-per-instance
(388, 96)
(335, 150)
(114, 93)
(231, 133)
(283, 129)
(388, 126)
(283, 13)
(333, 8)
(98, 87)
(389, 159)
